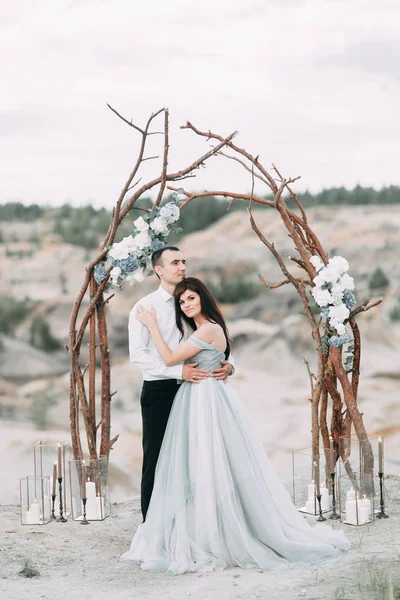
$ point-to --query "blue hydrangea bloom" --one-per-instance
(156, 244)
(128, 265)
(339, 340)
(349, 299)
(100, 273)
(325, 312)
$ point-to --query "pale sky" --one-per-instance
(311, 85)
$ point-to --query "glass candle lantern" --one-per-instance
(35, 500)
(51, 459)
(356, 498)
(309, 478)
(89, 480)
(365, 455)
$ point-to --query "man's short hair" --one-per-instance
(156, 257)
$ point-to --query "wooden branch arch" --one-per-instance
(330, 383)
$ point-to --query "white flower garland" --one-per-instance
(332, 291)
(131, 257)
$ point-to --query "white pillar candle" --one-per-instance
(380, 455)
(358, 511)
(100, 507)
(33, 514)
(351, 512)
(311, 491)
(324, 498)
(92, 512)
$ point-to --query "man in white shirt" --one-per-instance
(161, 383)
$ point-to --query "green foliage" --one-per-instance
(12, 312)
(28, 570)
(378, 280)
(325, 344)
(41, 402)
(118, 404)
(357, 196)
(374, 583)
(41, 336)
(394, 313)
(16, 211)
(229, 290)
(86, 226)
(201, 213)
(18, 253)
(81, 226)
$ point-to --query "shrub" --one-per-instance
(230, 290)
(394, 314)
(41, 336)
(12, 312)
(41, 402)
(378, 280)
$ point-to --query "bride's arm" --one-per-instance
(170, 357)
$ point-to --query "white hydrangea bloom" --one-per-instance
(319, 281)
(129, 243)
(170, 213)
(118, 251)
(339, 263)
(347, 282)
(321, 297)
(316, 262)
(329, 274)
(142, 239)
(158, 225)
(141, 224)
(114, 274)
(130, 278)
(340, 328)
(339, 313)
(138, 275)
(338, 287)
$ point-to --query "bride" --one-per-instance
(216, 500)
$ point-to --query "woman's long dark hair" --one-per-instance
(209, 308)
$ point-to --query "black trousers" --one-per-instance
(156, 402)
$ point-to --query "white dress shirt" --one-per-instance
(142, 351)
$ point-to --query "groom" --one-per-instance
(161, 383)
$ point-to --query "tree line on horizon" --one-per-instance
(86, 226)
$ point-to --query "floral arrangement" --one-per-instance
(131, 257)
(333, 293)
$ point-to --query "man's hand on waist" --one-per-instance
(192, 374)
(223, 373)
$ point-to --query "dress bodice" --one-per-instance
(208, 357)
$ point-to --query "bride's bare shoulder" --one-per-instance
(208, 331)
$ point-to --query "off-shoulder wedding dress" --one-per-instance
(217, 501)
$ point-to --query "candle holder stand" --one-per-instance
(61, 518)
(356, 496)
(45, 455)
(334, 514)
(304, 490)
(84, 519)
(90, 496)
(321, 517)
(381, 514)
(53, 501)
(35, 500)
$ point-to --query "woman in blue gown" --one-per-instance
(217, 501)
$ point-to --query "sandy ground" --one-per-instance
(78, 562)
